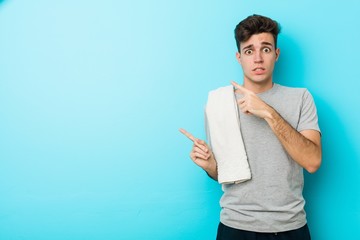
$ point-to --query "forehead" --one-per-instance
(258, 40)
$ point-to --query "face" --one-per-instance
(257, 58)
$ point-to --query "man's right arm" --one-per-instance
(202, 155)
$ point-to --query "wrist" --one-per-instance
(212, 168)
(270, 114)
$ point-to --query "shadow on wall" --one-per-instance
(332, 193)
(1, 2)
(290, 67)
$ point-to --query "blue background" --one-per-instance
(92, 94)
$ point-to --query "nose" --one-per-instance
(258, 58)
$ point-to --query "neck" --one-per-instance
(258, 87)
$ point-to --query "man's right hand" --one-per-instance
(202, 155)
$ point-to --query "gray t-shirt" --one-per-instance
(272, 200)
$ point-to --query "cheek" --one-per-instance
(245, 63)
(246, 67)
(272, 60)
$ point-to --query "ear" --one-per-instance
(238, 57)
(277, 53)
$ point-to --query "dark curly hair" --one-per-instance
(255, 24)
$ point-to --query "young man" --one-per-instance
(281, 136)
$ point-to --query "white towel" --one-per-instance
(224, 136)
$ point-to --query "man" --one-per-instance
(281, 136)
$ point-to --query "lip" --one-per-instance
(259, 70)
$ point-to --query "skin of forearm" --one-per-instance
(302, 150)
(211, 171)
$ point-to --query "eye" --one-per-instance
(248, 51)
(266, 50)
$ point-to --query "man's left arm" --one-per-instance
(304, 146)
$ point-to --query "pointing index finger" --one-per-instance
(238, 87)
(199, 143)
(188, 135)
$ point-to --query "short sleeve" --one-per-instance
(308, 114)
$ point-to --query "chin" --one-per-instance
(260, 80)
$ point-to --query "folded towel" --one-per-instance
(224, 136)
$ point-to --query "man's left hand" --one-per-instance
(250, 103)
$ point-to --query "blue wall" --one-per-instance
(92, 94)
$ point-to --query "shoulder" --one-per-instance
(221, 91)
(290, 90)
(293, 92)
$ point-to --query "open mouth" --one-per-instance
(259, 69)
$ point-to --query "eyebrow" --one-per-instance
(262, 43)
(267, 43)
